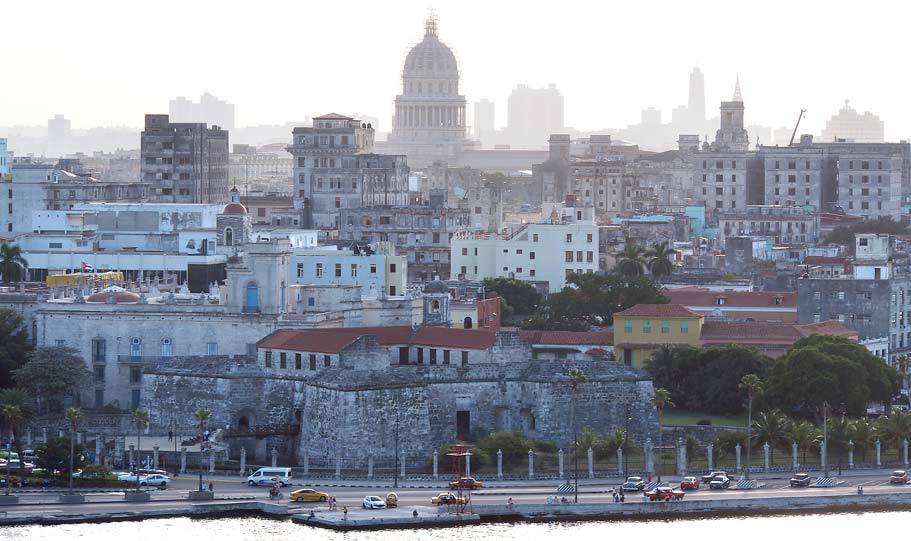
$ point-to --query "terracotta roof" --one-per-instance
(658, 310)
(824, 260)
(334, 340)
(831, 327)
(594, 338)
(234, 208)
(596, 351)
(765, 333)
(704, 297)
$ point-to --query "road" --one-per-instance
(175, 497)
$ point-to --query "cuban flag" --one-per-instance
(87, 268)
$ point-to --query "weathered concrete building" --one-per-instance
(184, 162)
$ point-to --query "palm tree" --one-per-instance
(10, 259)
(659, 259)
(140, 421)
(805, 435)
(661, 399)
(839, 430)
(771, 427)
(576, 378)
(631, 260)
(895, 428)
(752, 385)
(202, 417)
(21, 399)
(11, 416)
(73, 415)
(863, 434)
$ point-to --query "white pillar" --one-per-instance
(44, 434)
(879, 446)
(560, 462)
(155, 456)
(211, 460)
(620, 460)
(737, 456)
(306, 461)
(823, 456)
(499, 463)
(183, 459)
(531, 464)
(132, 462)
(274, 457)
(467, 464)
(243, 461)
(850, 455)
(591, 463)
(370, 467)
(710, 456)
(28, 436)
(794, 463)
(649, 457)
(436, 466)
(681, 457)
(765, 456)
(905, 452)
(338, 466)
(402, 465)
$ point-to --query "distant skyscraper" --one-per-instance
(849, 125)
(534, 114)
(651, 116)
(484, 121)
(184, 162)
(4, 164)
(696, 104)
(58, 135)
(210, 110)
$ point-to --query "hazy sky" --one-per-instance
(103, 62)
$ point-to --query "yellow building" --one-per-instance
(640, 330)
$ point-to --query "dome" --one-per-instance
(436, 286)
(120, 295)
(234, 208)
(431, 57)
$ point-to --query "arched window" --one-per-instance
(167, 348)
(252, 300)
(243, 425)
(435, 306)
(99, 350)
(135, 347)
(467, 322)
(229, 236)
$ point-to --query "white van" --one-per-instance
(268, 476)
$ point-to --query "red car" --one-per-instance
(665, 493)
(689, 483)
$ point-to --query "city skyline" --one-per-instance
(593, 101)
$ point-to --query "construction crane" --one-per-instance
(794, 133)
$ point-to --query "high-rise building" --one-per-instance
(484, 121)
(696, 103)
(210, 110)
(4, 164)
(533, 114)
(184, 162)
(851, 126)
(429, 122)
(335, 168)
(58, 135)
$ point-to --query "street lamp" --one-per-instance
(395, 479)
(825, 437)
(626, 440)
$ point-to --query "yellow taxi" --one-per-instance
(308, 495)
(448, 498)
(392, 500)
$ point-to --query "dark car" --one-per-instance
(720, 481)
(801, 480)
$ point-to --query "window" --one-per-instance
(420, 352)
(684, 327)
(338, 270)
(464, 359)
(135, 375)
(99, 373)
(627, 326)
(312, 361)
(319, 270)
(445, 356)
(268, 359)
(531, 255)
(392, 267)
(569, 256)
(134, 398)
(167, 349)
(354, 270)
(311, 301)
(211, 349)
(99, 350)
(646, 326)
(534, 238)
(373, 268)
(433, 356)
(665, 327)
(569, 237)
(283, 360)
(135, 348)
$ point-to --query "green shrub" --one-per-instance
(704, 422)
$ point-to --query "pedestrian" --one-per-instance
(44, 484)
(170, 435)
(509, 503)
(621, 490)
(622, 498)
(345, 512)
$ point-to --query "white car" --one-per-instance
(129, 477)
(155, 480)
(374, 502)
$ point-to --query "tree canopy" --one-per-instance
(521, 296)
(14, 344)
(55, 455)
(53, 375)
(592, 300)
(706, 380)
(831, 369)
(882, 225)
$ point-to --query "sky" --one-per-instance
(103, 62)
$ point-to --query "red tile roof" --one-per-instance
(732, 299)
(824, 260)
(595, 338)
(657, 310)
(765, 333)
(334, 340)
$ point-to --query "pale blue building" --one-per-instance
(380, 273)
(4, 164)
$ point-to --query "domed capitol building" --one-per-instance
(430, 118)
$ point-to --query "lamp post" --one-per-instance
(395, 479)
(626, 440)
(825, 437)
